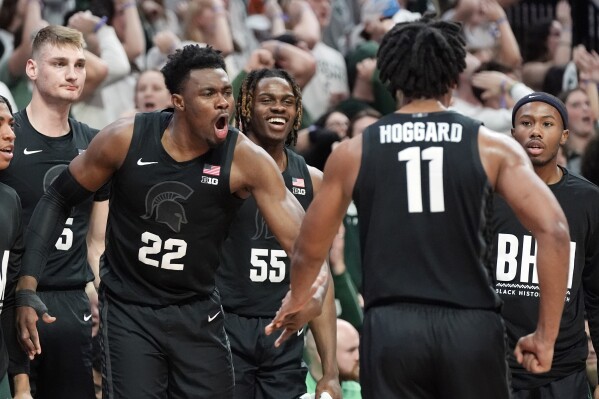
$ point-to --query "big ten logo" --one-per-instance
(524, 269)
(210, 180)
(299, 191)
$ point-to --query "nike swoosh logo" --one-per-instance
(26, 152)
(86, 317)
(299, 332)
(142, 163)
(210, 318)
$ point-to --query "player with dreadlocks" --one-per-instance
(253, 276)
(423, 178)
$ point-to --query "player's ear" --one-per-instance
(564, 138)
(178, 102)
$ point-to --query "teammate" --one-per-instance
(11, 249)
(48, 141)
(423, 179)
(253, 276)
(178, 178)
(540, 126)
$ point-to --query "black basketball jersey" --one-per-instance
(167, 219)
(253, 276)
(517, 283)
(37, 161)
(423, 200)
(11, 250)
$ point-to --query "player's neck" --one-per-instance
(180, 144)
(275, 149)
(549, 173)
(422, 105)
(49, 119)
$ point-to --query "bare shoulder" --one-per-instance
(316, 177)
(348, 154)
(112, 143)
(498, 152)
(252, 167)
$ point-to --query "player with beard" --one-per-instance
(540, 125)
(253, 276)
(177, 179)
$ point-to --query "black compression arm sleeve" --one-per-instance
(47, 221)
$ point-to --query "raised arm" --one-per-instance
(513, 177)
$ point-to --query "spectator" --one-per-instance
(329, 85)
(151, 93)
(348, 360)
(547, 44)
(581, 125)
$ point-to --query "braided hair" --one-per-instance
(245, 101)
(422, 59)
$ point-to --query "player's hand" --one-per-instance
(534, 354)
(596, 392)
(30, 309)
(295, 313)
(329, 384)
(294, 321)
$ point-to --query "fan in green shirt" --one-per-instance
(348, 360)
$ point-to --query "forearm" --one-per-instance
(18, 361)
(47, 223)
(509, 50)
(552, 260)
(32, 22)
(347, 295)
(563, 53)
(113, 53)
(134, 41)
(220, 37)
(324, 328)
(21, 384)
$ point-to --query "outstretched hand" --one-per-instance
(30, 309)
(294, 313)
(534, 354)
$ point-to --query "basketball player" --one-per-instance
(540, 126)
(48, 141)
(422, 180)
(177, 180)
(253, 276)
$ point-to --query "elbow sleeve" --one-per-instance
(47, 221)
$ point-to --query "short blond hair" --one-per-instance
(57, 35)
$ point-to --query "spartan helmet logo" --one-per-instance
(52, 174)
(261, 228)
(162, 201)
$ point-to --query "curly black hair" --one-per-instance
(183, 61)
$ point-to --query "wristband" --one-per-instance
(100, 24)
(29, 298)
(128, 5)
(501, 20)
